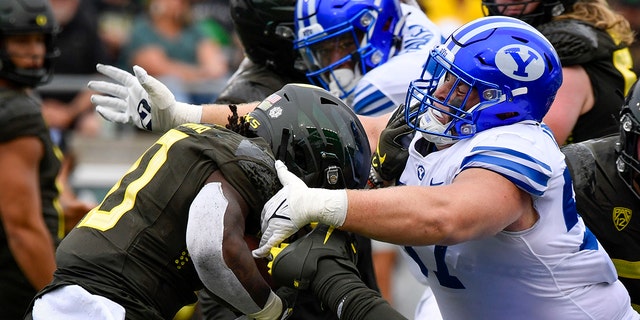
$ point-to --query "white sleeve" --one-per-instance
(204, 242)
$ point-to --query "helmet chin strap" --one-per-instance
(429, 122)
(343, 81)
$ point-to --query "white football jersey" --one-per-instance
(554, 270)
(384, 88)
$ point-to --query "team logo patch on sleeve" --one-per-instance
(275, 112)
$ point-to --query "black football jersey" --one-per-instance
(608, 207)
(132, 247)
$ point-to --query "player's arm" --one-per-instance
(443, 215)
(219, 113)
(574, 98)
(145, 102)
(345, 294)
(21, 210)
(324, 261)
(215, 240)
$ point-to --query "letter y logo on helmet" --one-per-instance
(520, 62)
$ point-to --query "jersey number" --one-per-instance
(104, 220)
(442, 272)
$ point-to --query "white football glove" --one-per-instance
(141, 100)
(295, 206)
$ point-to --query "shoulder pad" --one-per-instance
(581, 163)
(16, 104)
(252, 83)
(20, 115)
(8, 96)
(577, 42)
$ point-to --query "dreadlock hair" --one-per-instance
(238, 124)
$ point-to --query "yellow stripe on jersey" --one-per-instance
(627, 269)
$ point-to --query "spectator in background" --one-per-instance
(70, 112)
(80, 50)
(449, 15)
(630, 9)
(115, 21)
(215, 21)
(173, 49)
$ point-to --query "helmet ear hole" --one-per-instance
(333, 177)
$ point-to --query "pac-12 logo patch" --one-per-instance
(520, 62)
(621, 217)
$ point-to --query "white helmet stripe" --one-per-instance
(306, 9)
(472, 32)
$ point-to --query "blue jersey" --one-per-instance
(554, 270)
(384, 88)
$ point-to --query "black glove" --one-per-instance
(391, 154)
(295, 266)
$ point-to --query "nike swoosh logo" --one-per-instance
(380, 158)
(431, 183)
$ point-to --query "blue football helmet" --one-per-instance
(500, 70)
(341, 40)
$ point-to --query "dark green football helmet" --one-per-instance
(316, 135)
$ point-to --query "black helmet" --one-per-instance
(265, 28)
(21, 17)
(315, 134)
(628, 163)
(546, 10)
